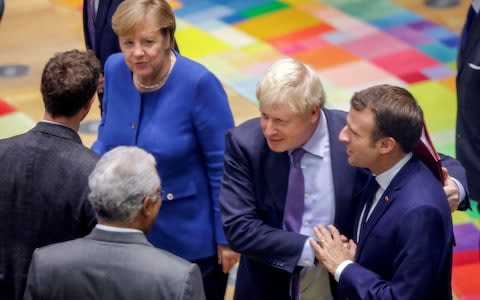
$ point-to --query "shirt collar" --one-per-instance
(55, 123)
(116, 229)
(476, 5)
(386, 177)
(318, 144)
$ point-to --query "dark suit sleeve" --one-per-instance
(422, 250)
(193, 289)
(457, 171)
(244, 223)
(32, 288)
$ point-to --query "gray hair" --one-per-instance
(120, 181)
(291, 82)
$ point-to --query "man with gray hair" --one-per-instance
(116, 261)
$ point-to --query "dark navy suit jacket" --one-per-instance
(468, 108)
(253, 197)
(405, 248)
(106, 41)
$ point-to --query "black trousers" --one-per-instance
(214, 280)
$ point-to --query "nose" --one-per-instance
(268, 128)
(343, 135)
(138, 50)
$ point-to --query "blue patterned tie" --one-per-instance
(91, 21)
(294, 206)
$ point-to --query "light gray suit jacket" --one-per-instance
(111, 265)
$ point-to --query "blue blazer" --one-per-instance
(405, 249)
(183, 126)
(253, 197)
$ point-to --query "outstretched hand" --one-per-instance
(330, 247)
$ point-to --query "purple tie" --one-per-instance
(294, 206)
(91, 22)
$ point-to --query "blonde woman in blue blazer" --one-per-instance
(177, 110)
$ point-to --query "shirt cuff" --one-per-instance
(307, 258)
(340, 268)
(461, 190)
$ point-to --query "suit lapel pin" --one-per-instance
(386, 198)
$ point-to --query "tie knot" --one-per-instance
(373, 185)
(297, 155)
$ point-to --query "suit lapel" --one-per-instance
(277, 167)
(472, 40)
(386, 200)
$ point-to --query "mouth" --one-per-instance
(274, 141)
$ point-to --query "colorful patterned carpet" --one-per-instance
(353, 44)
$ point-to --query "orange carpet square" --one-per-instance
(465, 280)
(326, 57)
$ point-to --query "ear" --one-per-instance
(147, 206)
(151, 207)
(315, 114)
(386, 145)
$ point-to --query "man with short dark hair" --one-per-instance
(116, 261)
(403, 236)
(43, 178)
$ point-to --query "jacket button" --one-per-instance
(170, 196)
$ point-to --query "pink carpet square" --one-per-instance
(404, 62)
(328, 14)
(413, 77)
(374, 45)
(352, 26)
(354, 74)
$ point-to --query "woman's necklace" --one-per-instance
(161, 81)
